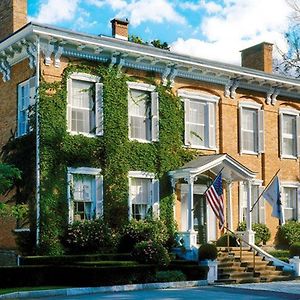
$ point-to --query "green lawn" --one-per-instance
(24, 289)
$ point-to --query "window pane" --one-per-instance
(289, 135)
(83, 107)
(249, 129)
(289, 201)
(140, 114)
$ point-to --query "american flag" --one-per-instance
(214, 196)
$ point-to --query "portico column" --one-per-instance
(191, 204)
(250, 235)
(229, 204)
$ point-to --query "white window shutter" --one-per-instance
(241, 129)
(130, 200)
(155, 198)
(298, 135)
(186, 122)
(281, 134)
(99, 108)
(260, 130)
(69, 197)
(212, 125)
(154, 116)
(261, 203)
(99, 196)
(69, 106)
(19, 130)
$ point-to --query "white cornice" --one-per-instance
(131, 55)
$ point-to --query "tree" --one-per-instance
(290, 62)
(155, 43)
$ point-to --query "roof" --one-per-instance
(146, 57)
(232, 170)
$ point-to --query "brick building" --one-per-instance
(242, 120)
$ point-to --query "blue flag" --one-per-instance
(272, 195)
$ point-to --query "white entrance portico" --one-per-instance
(197, 222)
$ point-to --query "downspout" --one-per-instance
(37, 143)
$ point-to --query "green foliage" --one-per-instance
(142, 230)
(295, 249)
(207, 251)
(161, 45)
(280, 254)
(8, 175)
(135, 39)
(155, 43)
(25, 241)
(151, 252)
(288, 234)
(169, 276)
(88, 237)
(262, 232)
(223, 241)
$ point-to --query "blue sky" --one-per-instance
(213, 29)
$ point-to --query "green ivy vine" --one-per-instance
(114, 153)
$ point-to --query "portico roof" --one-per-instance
(232, 170)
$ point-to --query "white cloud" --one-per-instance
(114, 4)
(54, 11)
(240, 24)
(210, 7)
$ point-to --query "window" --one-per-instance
(84, 113)
(289, 133)
(26, 99)
(143, 195)
(258, 212)
(251, 128)
(200, 119)
(85, 194)
(142, 112)
(290, 202)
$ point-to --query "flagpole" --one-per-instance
(264, 190)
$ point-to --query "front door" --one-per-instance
(200, 218)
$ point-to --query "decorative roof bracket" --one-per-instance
(272, 94)
(113, 59)
(31, 51)
(5, 69)
(58, 52)
(165, 75)
(173, 74)
(230, 88)
(47, 49)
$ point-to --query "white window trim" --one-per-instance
(295, 185)
(143, 175)
(202, 97)
(141, 87)
(96, 172)
(254, 182)
(89, 78)
(257, 107)
(32, 100)
(291, 112)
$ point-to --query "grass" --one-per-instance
(25, 289)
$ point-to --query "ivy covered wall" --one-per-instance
(114, 153)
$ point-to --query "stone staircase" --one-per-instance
(232, 268)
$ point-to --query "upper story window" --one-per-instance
(85, 111)
(143, 195)
(290, 202)
(142, 112)
(200, 119)
(251, 128)
(289, 133)
(26, 99)
(85, 194)
(258, 212)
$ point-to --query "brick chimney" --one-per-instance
(13, 16)
(119, 28)
(258, 57)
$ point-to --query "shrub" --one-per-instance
(151, 252)
(169, 276)
(88, 237)
(208, 251)
(143, 230)
(25, 241)
(289, 233)
(262, 232)
(222, 241)
(295, 249)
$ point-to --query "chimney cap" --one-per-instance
(120, 21)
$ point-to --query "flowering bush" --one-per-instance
(142, 230)
(88, 237)
(151, 252)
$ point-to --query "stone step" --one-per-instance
(270, 278)
(237, 275)
(231, 269)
